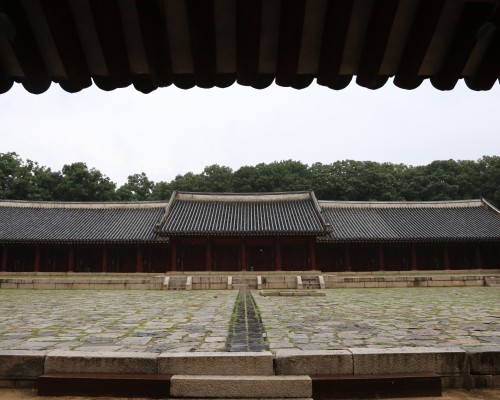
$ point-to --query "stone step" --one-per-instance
(119, 385)
(417, 384)
(224, 386)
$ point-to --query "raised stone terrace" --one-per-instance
(453, 332)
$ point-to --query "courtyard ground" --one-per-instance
(178, 321)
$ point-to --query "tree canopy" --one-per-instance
(340, 180)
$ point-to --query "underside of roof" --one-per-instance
(215, 43)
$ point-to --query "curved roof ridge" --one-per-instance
(82, 204)
(401, 204)
(253, 196)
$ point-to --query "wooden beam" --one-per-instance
(446, 257)
(312, 253)
(208, 255)
(377, 36)
(5, 258)
(138, 259)
(381, 263)
(71, 259)
(337, 17)
(201, 22)
(290, 39)
(418, 41)
(347, 257)
(63, 29)
(109, 28)
(155, 40)
(243, 255)
(36, 79)
(477, 254)
(38, 252)
(248, 25)
(174, 256)
(413, 249)
(104, 259)
(462, 44)
(277, 255)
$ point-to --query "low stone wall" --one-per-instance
(152, 283)
(461, 368)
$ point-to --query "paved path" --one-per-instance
(158, 321)
(383, 318)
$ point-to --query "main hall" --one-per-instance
(245, 232)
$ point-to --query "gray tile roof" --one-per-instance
(295, 213)
(22, 221)
(412, 221)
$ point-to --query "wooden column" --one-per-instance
(208, 255)
(104, 264)
(381, 266)
(277, 255)
(138, 259)
(243, 255)
(347, 258)
(477, 252)
(312, 253)
(174, 256)
(5, 255)
(413, 251)
(446, 258)
(71, 259)
(37, 258)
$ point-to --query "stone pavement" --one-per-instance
(131, 321)
(345, 318)
(175, 321)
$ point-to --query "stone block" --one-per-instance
(101, 362)
(7, 383)
(375, 284)
(484, 360)
(397, 284)
(21, 364)
(218, 363)
(44, 285)
(467, 382)
(313, 362)
(25, 383)
(441, 360)
(8, 285)
(495, 381)
(240, 386)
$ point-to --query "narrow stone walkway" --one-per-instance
(245, 332)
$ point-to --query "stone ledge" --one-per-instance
(21, 364)
(484, 360)
(313, 362)
(446, 361)
(101, 362)
(212, 363)
(241, 386)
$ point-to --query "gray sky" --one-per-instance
(173, 131)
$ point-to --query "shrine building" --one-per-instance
(219, 232)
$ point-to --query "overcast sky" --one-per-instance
(173, 131)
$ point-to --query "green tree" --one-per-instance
(137, 188)
(82, 184)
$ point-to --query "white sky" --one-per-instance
(173, 131)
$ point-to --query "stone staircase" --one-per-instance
(177, 283)
(310, 282)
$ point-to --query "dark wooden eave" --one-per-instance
(215, 43)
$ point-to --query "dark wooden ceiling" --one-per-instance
(215, 43)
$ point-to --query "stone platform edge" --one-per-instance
(271, 280)
(459, 368)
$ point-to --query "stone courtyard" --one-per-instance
(180, 321)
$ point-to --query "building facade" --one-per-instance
(248, 232)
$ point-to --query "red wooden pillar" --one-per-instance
(243, 255)
(347, 257)
(71, 259)
(138, 259)
(208, 255)
(413, 251)
(381, 266)
(104, 264)
(312, 253)
(5, 254)
(174, 256)
(37, 258)
(446, 258)
(277, 255)
(477, 251)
